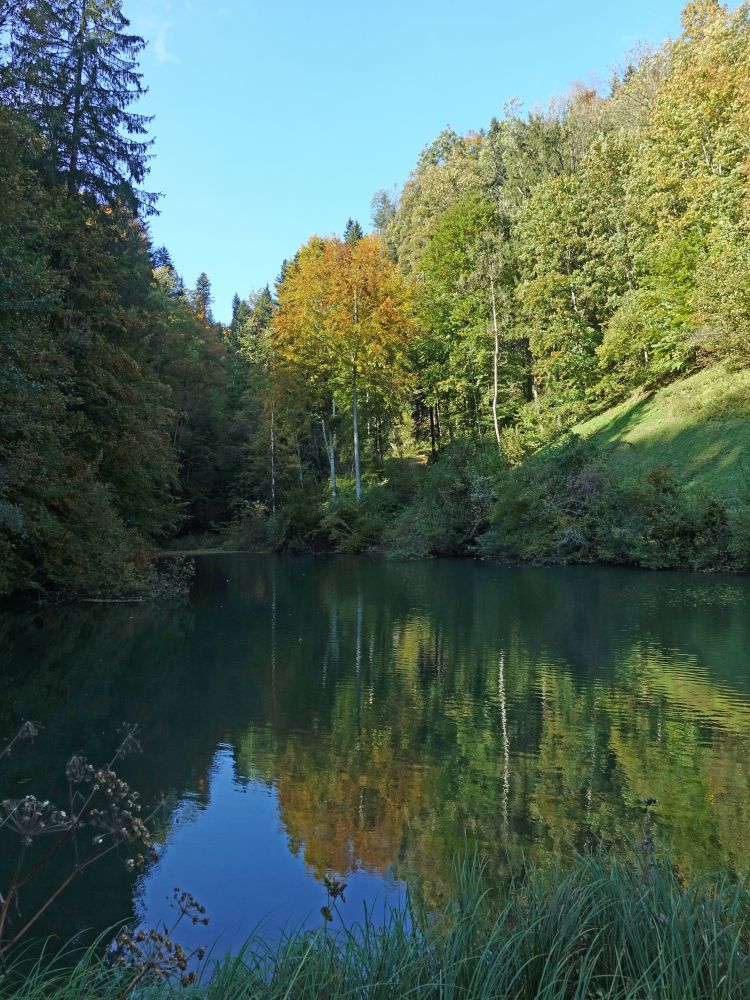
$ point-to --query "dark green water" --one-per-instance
(367, 718)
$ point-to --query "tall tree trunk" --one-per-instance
(333, 446)
(495, 357)
(432, 430)
(75, 134)
(535, 390)
(368, 421)
(355, 415)
(273, 454)
(330, 443)
(357, 471)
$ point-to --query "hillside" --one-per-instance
(698, 427)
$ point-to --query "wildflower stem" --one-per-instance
(71, 877)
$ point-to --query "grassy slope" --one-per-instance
(698, 427)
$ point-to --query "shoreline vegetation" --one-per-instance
(598, 927)
(538, 353)
(659, 481)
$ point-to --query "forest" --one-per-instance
(414, 390)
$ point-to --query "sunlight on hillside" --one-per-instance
(699, 427)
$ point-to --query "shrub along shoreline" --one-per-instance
(601, 927)
(565, 504)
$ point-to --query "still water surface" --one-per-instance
(305, 716)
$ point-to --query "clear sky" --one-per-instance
(276, 120)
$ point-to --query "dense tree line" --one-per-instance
(598, 246)
(526, 276)
(550, 265)
(113, 378)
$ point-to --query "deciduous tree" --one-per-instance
(345, 319)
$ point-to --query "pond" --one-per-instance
(304, 716)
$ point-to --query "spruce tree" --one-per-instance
(161, 257)
(74, 71)
(283, 271)
(10, 12)
(261, 306)
(352, 231)
(202, 298)
(241, 312)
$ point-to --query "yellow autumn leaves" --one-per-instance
(344, 322)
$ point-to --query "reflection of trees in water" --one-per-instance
(399, 708)
(506, 741)
(81, 672)
(398, 778)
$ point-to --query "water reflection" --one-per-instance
(308, 716)
(232, 848)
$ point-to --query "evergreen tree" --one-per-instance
(165, 274)
(240, 315)
(161, 257)
(74, 72)
(352, 231)
(10, 11)
(261, 307)
(283, 271)
(202, 298)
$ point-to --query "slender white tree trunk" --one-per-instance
(357, 471)
(495, 359)
(333, 445)
(355, 415)
(330, 443)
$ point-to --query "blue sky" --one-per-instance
(278, 120)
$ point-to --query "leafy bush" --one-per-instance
(250, 530)
(356, 526)
(450, 506)
(296, 526)
(565, 505)
(562, 504)
(739, 526)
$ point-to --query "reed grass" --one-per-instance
(600, 929)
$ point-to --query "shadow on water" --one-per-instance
(305, 716)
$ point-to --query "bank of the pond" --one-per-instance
(601, 928)
(657, 481)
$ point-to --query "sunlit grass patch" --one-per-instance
(698, 427)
